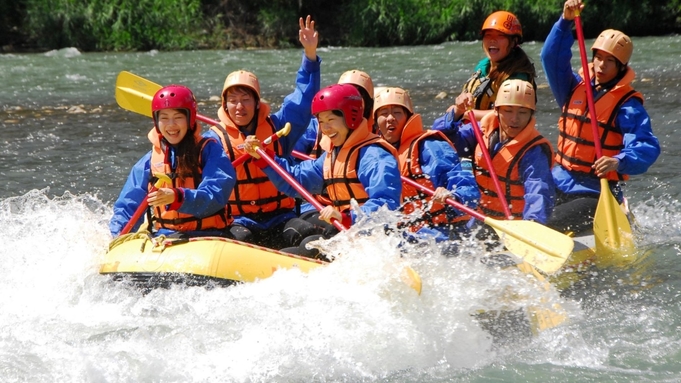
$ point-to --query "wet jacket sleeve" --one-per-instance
(535, 172)
(308, 173)
(134, 192)
(443, 167)
(307, 141)
(450, 127)
(296, 107)
(641, 147)
(379, 173)
(218, 179)
(555, 58)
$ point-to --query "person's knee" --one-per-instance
(241, 233)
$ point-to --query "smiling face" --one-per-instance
(496, 45)
(240, 104)
(512, 120)
(606, 66)
(391, 120)
(333, 126)
(172, 123)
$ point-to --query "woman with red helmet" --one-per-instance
(199, 176)
(501, 35)
(358, 165)
(260, 211)
(629, 146)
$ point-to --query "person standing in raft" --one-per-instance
(628, 143)
(260, 211)
(428, 158)
(501, 35)
(521, 156)
(359, 165)
(200, 174)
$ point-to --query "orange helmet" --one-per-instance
(241, 78)
(359, 78)
(616, 43)
(504, 22)
(516, 93)
(393, 96)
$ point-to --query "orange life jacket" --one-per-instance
(340, 171)
(254, 192)
(171, 219)
(576, 150)
(409, 159)
(506, 164)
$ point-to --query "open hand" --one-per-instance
(308, 37)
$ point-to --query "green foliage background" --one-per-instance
(106, 25)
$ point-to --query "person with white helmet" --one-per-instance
(200, 176)
(629, 146)
(359, 165)
(260, 211)
(502, 35)
(521, 156)
(427, 157)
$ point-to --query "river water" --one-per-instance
(66, 149)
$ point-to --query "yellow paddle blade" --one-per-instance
(538, 245)
(411, 278)
(612, 230)
(134, 93)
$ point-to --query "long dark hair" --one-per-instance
(517, 61)
(187, 153)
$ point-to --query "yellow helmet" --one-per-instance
(393, 96)
(241, 78)
(616, 43)
(359, 78)
(516, 93)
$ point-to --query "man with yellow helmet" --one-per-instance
(260, 211)
(427, 157)
(625, 132)
(521, 156)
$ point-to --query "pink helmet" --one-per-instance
(342, 97)
(175, 97)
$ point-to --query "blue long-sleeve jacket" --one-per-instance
(211, 195)
(533, 169)
(641, 147)
(307, 140)
(296, 107)
(377, 171)
(442, 165)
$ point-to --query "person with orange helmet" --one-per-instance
(359, 165)
(501, 35)
(260, 211)
(629, 146)
(427, 157)
(521, 156)
(200, 176)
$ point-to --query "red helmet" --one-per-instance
(175, 97)
(342, 97)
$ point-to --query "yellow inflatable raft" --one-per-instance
(160, 262)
